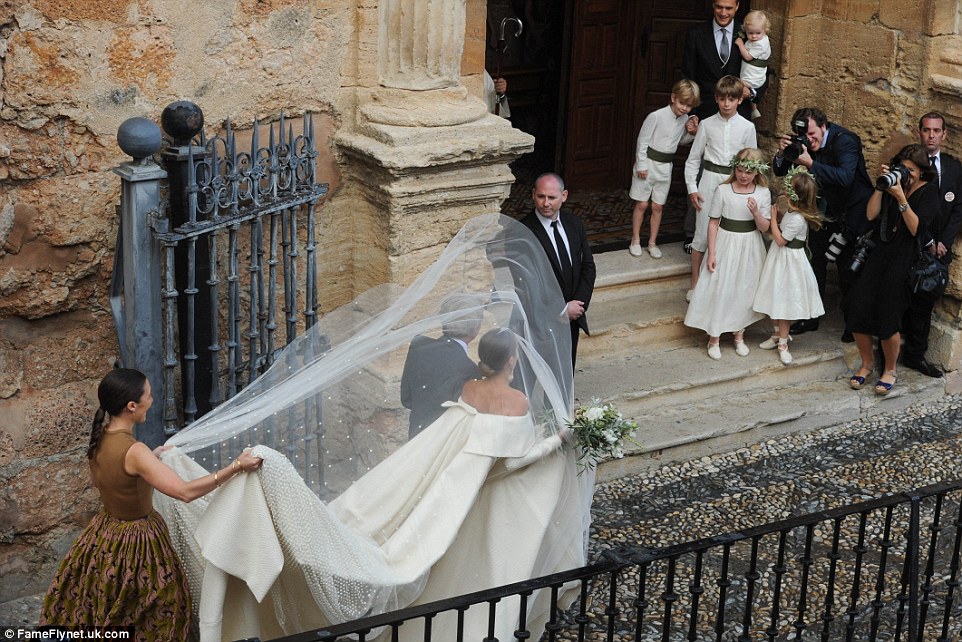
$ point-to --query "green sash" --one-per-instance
(731, 225)
(661, 157)
(796, 244)
(714, 167)
(755, 62)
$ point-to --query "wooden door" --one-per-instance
(623, 58)
(599, 94)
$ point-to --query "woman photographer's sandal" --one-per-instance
(858, 380)
(882, 388)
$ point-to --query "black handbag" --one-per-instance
(928, 275)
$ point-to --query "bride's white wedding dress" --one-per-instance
(475, 501)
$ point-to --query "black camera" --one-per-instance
(896, 174)
(836, 243)
(863, 247)
(799, 141)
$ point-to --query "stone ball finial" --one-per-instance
(182, 120)
(139, 137)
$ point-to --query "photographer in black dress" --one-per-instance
(833, 155)
(901, 210)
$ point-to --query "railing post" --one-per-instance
(182, 120)
(912, 563)
(138, 322)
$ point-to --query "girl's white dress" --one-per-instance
(723, 299)
(787, 288)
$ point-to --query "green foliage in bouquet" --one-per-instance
(601, 432)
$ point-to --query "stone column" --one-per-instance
(420, 43)
(424, 156)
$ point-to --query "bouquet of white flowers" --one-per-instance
(601, 430)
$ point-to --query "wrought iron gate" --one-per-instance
(241, 216)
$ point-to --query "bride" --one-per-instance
(346, 518)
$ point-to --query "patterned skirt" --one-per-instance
(122, 573)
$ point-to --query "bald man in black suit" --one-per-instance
(577, 277)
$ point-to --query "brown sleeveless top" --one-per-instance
(124, 496)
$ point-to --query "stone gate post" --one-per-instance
(138, 319)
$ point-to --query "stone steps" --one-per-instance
(641, 357)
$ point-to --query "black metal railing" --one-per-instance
(886, 569)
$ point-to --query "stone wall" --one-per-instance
(71, 71)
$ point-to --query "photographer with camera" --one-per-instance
(833, 155)
(918, 318)
(900, 211)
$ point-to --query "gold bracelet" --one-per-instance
(216, 483)
(234, 465)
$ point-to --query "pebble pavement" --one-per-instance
(783, 477)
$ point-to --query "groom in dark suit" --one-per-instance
(563, 238)
(918, 318)
(435, 370)
(711, 53)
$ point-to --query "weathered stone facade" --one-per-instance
(409, 156)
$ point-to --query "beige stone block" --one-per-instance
(44, 494)
(800, 8)
(860, 11)
(903, 16)
(142, 56)
(940, 17)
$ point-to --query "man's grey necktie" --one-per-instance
(723, 50)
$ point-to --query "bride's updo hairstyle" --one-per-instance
(495, 348)
(116, 389)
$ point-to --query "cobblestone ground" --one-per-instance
(781, 478)
(774, 480)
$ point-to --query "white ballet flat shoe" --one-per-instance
(634, 250)
(783, 354)
(654, 251)
(741, 349)
(688, 295)
(771, 342)
(714, 351)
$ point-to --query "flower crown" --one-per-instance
(787, 181)
(749, 164)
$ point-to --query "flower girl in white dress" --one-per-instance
(723, 297)
(787, 290)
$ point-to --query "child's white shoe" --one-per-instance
(654, 251)
(635, 250)
(688, 295)
(771, 342)
(740, 348)
(783, 354)
(714, 351)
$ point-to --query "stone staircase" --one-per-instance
(643, 358)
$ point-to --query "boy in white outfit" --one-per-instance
(661, 133)
(718, 139)
(755, 55)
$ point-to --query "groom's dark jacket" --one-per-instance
(434, 372)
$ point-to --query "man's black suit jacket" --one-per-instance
(435, 371)
(702, 65)
(582, 263)
(949, 221)
(843, 182)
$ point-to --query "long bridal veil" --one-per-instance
(328, 412)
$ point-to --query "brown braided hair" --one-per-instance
(119, 387)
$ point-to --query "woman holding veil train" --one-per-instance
(347, 518)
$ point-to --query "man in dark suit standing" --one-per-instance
(918, 318)
(563, 238)
(711, 54)
(833, 155)
(435, 370)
